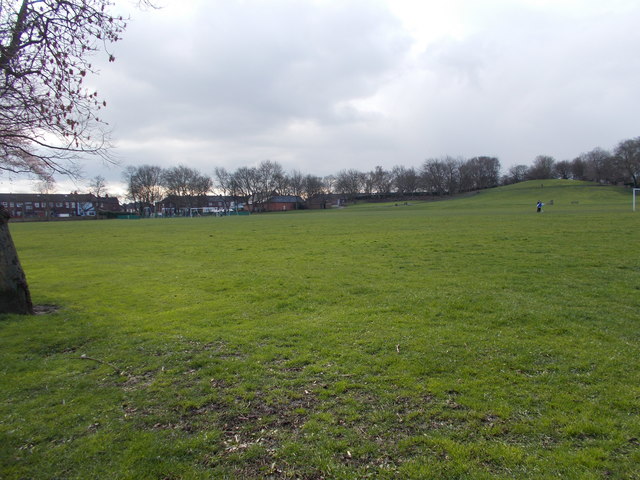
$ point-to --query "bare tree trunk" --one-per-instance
(14, 291)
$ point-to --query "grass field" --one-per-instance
(468, 338)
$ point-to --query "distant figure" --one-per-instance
(539, 206)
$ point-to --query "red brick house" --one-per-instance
(277, 203)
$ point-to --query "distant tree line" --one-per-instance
(148, 184)
(620, 166)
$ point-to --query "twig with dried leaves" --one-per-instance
(117, 370)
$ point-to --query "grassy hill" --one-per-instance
(558, 196)
(563, 194)
(467, 338)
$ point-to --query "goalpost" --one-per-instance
(635, 190)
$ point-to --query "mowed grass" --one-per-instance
(468, 338)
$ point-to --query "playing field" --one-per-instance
(469, 338)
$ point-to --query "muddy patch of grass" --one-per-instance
(45, 309)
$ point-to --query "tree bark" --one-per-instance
(14, 291)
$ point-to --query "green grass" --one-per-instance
(468, 338)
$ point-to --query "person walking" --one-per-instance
(539, 206)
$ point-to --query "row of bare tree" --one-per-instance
(148, 184)
(438, 176)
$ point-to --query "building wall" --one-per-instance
(39, 208)
(55, 205)
(279, 207)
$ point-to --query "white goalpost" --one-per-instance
(635, 190)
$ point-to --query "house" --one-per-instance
(283, 203)
(43, 205)
(276, 203)
(326, 200)
(177, 205)
(105, 204)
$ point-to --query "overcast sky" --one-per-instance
(326, 85)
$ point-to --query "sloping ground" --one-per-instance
(561, 194)
(557, 195)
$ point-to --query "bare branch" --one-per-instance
(48, 119)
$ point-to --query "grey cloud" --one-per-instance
(250, 66)
(326, 85)
(529, 82)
